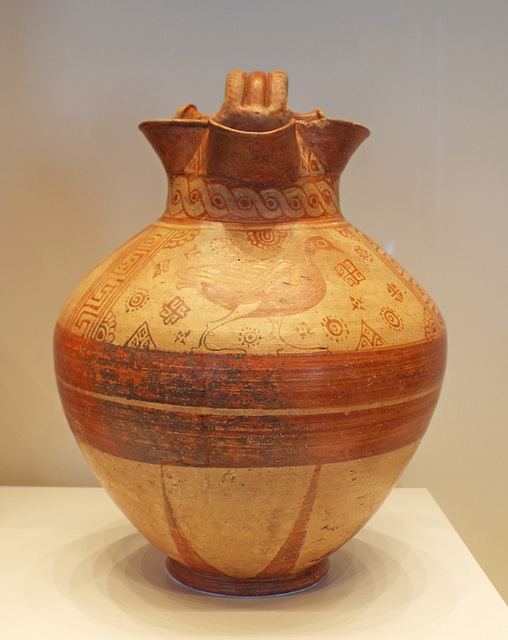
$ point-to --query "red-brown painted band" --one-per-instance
(166, 436)
(287, 556)
(258, 586)
(311, 380)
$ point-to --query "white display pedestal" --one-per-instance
(72, 567)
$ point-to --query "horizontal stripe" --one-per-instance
(226, 411)
(152, 435)
(238, 381)
(249, 225)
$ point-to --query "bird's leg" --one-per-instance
(241, 311)
(289, 347)
(276, 325)
(277, 328)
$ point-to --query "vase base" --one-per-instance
(247, 587)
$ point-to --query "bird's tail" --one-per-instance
(185, 279)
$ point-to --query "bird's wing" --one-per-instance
(233, 283)
(250, 274)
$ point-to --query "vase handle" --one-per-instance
(258, 102)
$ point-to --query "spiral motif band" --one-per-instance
(198, 198)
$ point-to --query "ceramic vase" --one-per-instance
(249, 376)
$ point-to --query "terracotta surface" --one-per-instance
(249, 376)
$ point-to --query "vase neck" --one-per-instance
(255, 160)
(202, 198)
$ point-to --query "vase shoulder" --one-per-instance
(254, 289)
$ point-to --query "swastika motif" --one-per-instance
(174, 310)
(349, 272)
(103, 293)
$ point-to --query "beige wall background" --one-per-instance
(428, 77)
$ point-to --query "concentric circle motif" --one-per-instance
(136, 300)
(223, 247)
(347, 233)
(272, 204)
(295, 203)
(249, 337)
(364, 254)
(218, 201)
(266, 239)
(327, 197)
(195, 196)
(334, 328)
(394, 321)
(244, 202)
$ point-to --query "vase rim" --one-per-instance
(205, 122)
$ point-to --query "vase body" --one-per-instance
(249, 375)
